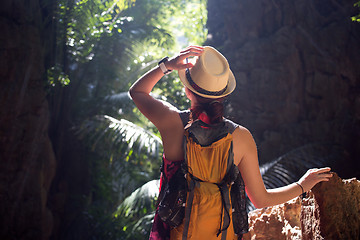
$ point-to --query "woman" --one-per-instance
(206, 83)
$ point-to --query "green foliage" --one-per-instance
(193, 17)
(357, 17)
(139, 210)
(57, 76)
(103, 47)
(122, 139)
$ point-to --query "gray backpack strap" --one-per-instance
(230, 158)
(189, 202)
(230, 125)
(224, 190)
(185, 117)
(192, 185)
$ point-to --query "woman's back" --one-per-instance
(207, 164)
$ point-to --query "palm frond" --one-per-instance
(138, 210)
(141, 201)
(143, 225)
(122, 97)
(125, 99)
(113, 134)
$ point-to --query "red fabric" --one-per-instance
(160, 230)
(204, 117)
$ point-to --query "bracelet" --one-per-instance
(302, 189)
(163, 67)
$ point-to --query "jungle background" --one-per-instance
(78, 161)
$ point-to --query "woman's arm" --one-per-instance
(165, 117)
(155, 110)
(245, 154)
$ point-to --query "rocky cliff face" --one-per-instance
(330, 211)
(297, 66)
(26, 155)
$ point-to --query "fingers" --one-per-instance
(319, 170)
(323, 174)
(324, 170)
(178, 63)
(314, 176)
(196, 50)
(190, 53)
(188, 65)
(193, 48)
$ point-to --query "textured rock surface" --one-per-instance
(330, 211)
(277, 222)
(298, 72)
(26, 156)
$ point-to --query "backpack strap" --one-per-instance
(185, 117)
(224, 190)
(230, 125)
(192, 185)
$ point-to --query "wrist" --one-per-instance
(163, 65)
(303, 193)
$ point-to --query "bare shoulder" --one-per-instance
(169, 117)
(244, 144)
(242, 134)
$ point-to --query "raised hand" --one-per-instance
(314, 176)
(178, 62)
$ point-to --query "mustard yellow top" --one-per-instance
(208, 164)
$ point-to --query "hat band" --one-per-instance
(200, 89)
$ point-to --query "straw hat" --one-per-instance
(210, 77)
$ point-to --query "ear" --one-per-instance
(187, 92)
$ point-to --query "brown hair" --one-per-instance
(214, 108)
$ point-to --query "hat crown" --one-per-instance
(210, 76)
(211, 71)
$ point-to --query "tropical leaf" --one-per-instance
(139, 209)
(140, 202)
(142, 227)
(116, 133)
(122, 97)
(356, 18)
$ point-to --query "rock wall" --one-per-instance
(278, 222)
(330, 211)
(297, 66)
(26, 155)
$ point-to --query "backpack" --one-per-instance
(172, 207)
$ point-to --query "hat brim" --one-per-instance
(230, 87)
